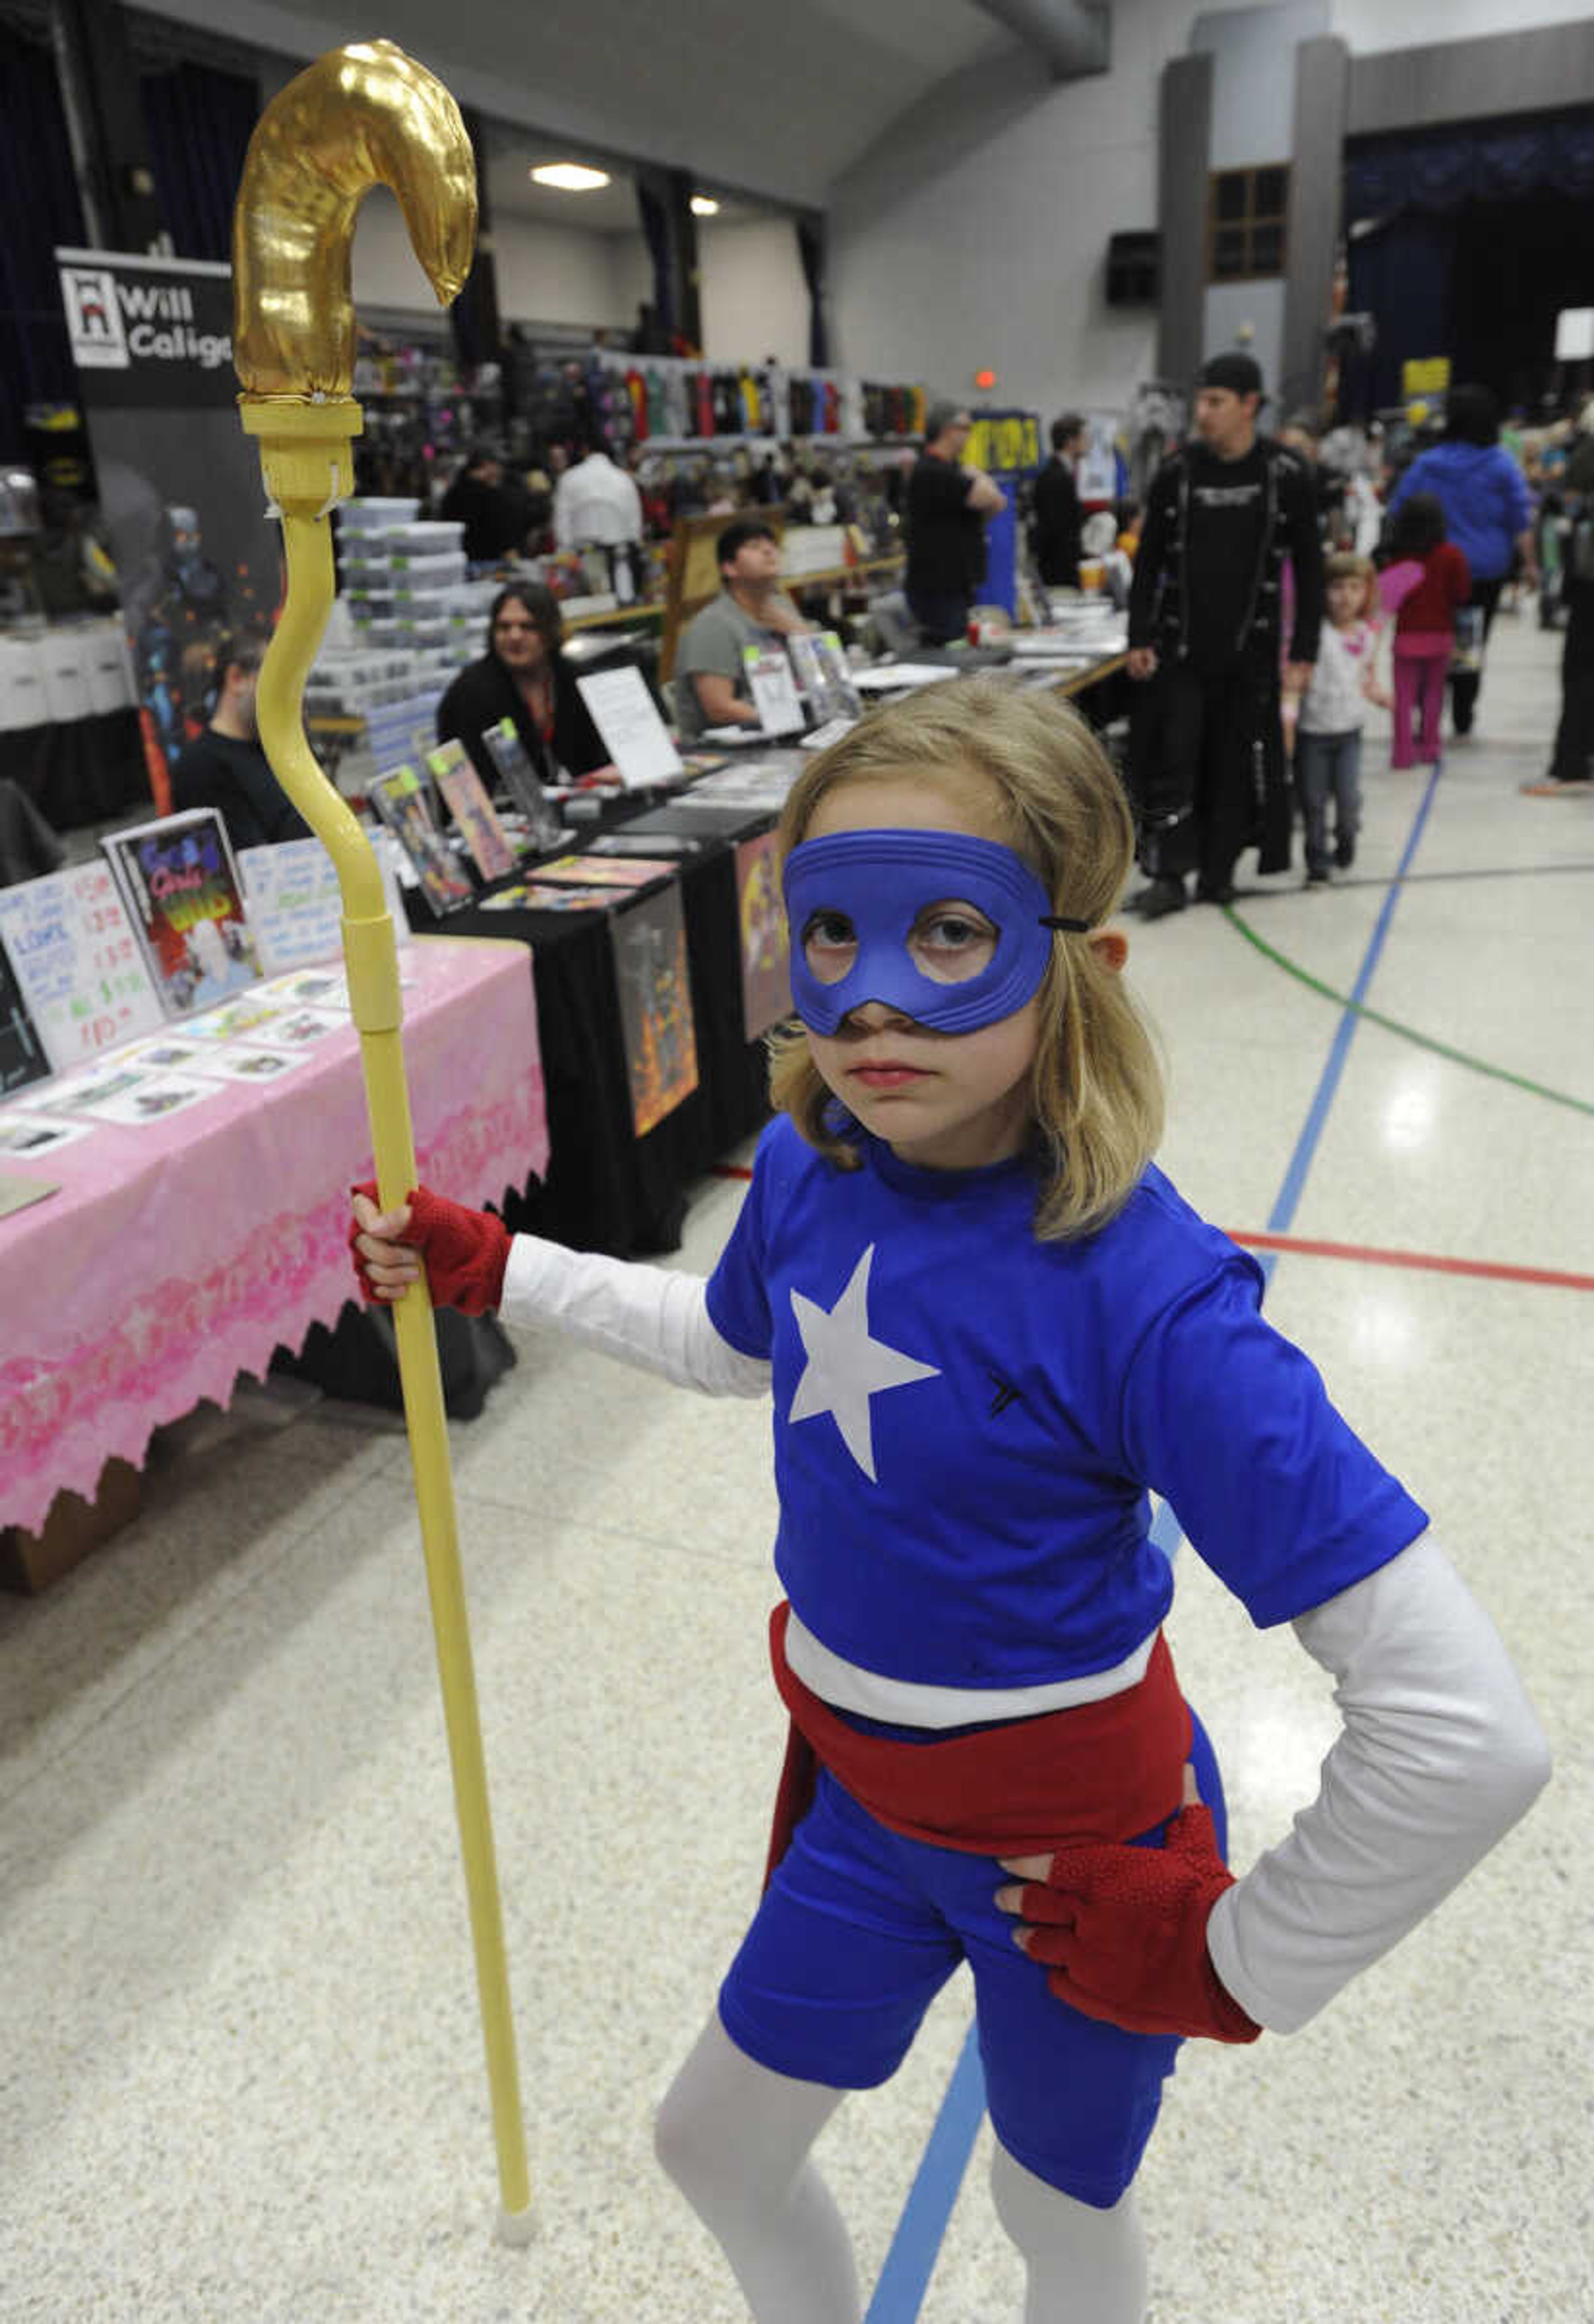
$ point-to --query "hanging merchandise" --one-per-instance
(1007, 445)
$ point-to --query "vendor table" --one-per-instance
(178, 1254)
(606, 1189)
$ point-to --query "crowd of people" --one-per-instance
(1284, 584)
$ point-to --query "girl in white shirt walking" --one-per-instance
(1334, 708)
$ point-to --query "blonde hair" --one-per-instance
(1095, 1088)
(1343, 566)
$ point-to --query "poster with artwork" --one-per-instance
(183, 895)
(650, 969)
(74, 954)
(197, 559)
(766, 951)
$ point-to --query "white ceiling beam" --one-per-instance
(1074, 37)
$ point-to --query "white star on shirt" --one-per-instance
(845, 1367)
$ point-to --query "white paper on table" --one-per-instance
(234, 1019)
(156, 1096)
(774, 690)
(295, 906)
(245, 1063)
(894, 675)
(310, 987)
(30, 1134)
(634, 736)
(298, 1026)
(73, 952)
(174, 1054)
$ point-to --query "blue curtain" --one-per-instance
(1482, 160)
(198, 122)
(40, 204)
(1403, 274)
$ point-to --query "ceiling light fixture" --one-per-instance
(570, 177)
(704, 206)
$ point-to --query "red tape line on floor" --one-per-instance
(1368, 1255)
(1495, 1270)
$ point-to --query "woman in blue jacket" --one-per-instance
(1488, 513)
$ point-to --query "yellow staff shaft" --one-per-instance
(305, 456)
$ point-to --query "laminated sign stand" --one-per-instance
(367, 115)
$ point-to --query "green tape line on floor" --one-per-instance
(1391, 1025)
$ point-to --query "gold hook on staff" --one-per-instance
(362, 116)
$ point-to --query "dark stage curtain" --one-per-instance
(1467, 242)
(811, 247)
(39, 202)
(653, 202)
(198, 122)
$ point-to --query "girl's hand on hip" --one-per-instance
(1123, 1931)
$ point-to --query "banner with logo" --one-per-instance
(180, 482)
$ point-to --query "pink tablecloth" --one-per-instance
(178, 1254)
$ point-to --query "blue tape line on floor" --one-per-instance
(916, 2244)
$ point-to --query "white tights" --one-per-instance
(735, 2138)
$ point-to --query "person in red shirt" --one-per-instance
(1426, 624)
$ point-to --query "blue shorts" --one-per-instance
(857, 1933)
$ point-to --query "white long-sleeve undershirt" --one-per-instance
(1438, 1754)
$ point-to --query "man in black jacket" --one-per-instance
(1206, 613)
(1057, 517)
(226, 768)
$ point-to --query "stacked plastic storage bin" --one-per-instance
(409, 605)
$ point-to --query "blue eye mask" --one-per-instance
(882, 882)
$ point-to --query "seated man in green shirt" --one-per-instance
(753, 609)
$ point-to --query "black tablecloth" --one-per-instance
(83, 772)
(606, 1189)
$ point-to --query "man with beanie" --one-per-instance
(1206, 615)
(947, 506)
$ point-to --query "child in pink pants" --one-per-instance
(1424, 626)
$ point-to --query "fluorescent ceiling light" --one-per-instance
(704, 206)
(570, 177)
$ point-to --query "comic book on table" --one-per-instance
(604, 871)
(401, 802)
(519, 779)
(472, 810)
(183, 895)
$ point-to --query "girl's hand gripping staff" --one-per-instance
(366, 115)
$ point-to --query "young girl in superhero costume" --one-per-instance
(991, 1328)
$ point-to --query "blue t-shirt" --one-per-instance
(967, 1420)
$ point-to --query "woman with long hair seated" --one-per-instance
(524, 677)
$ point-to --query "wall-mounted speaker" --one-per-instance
(1134, 269)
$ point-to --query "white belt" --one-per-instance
(848, 1686)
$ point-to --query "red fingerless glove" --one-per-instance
(465, 1252)
(1124, 1931)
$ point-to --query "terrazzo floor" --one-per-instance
(241, 2075)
